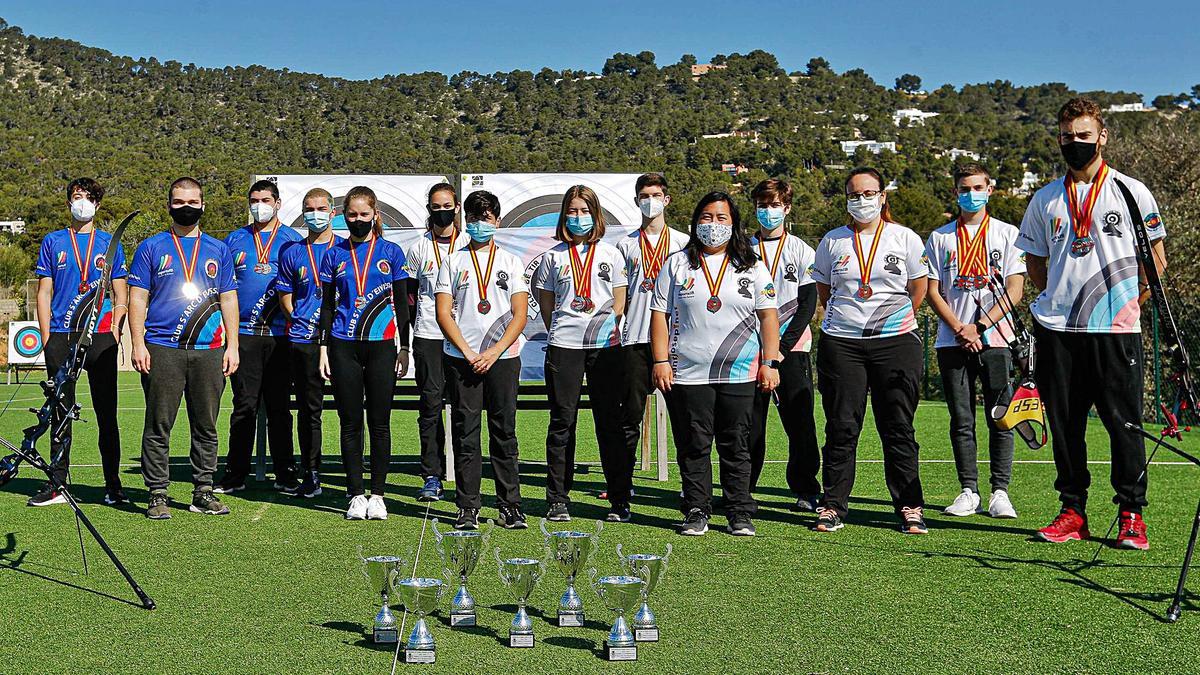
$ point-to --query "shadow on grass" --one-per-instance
(20, 564)
(360, 631)
(570, 642)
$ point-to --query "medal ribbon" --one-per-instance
(714, 288)
(437, 251)
(581, 271)
(263, 253)
(652, 258)
(312, 259)
(483, 279)
(1081, 214)
(189, 269)
(972, 259)
(864, 266)
(83, 263)
(762, 253)
(360, 275)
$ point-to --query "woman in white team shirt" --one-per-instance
(713, 303)
(581, 292)
(482, 307)
(423, 260)
(871, 278)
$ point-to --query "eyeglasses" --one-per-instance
(865, 194)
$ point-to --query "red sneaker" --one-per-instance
(1132, 532)
(1070, 524)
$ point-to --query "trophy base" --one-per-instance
(520, 640)
(462, 619)
(570, 619)
(646, 634)
(419, 655)
(385, 636)
(620, 653)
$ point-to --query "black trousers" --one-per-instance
(101, 367)
(960, 369)
(470, 394)
(795, 403)
(431, 380)
(565, 370)
(704, 413)
(310, 395)
(174, 374)
(363, 369)
(890, 369)
(1074, 372)
(639, 382)
(263, 375)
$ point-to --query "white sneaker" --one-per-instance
(376, 509)
(999, 505)
(358, 508)
(965, 504)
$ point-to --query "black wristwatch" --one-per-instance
(772, 363)
(980, 327)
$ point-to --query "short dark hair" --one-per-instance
(480, 203)
(967, 170)
(185, 182)
(1080, 107)
(264, 184)
(739, 251)
(88, 185)
(772, 187)
(650, 180)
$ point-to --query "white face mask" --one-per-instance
(83, 210)
(864, 210)
(652, 207)
(262, 213)
(713, 235)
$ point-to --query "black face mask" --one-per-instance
(441, 218)
(186, 216)
(1078, 154)
(359, 228)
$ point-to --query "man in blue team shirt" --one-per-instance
(183, 319)
(262, 374)
(300, 298)
(69, 267)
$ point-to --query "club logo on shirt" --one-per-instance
(1153, 221)
(239, 260)
(340, 269)
(789, 273)
(841, 264)
(384, 267)
(768, 291)
(687, 288)
(1056, 228)
(744, 288)
(1112, 224)
(99, 262)
(427, 269)
(605, 272)
(811, 269)
(210, 268)
(301, 273)
(995, 256)
(164, 265)
(502, 280)
(462, 278)
(62, 259)
(891, 263)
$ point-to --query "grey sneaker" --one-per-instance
(558, 513)
(695, 523)
(158, 509)
(965, 504)
(204, 501)
(999, 506)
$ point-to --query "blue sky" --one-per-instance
(1149, 47)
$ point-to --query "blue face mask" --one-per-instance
(769, 218)
(481, 231)
(972, 201)
(579, 225)
(317, 221)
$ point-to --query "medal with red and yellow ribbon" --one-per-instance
(653, 257)
(263, 253)
(84, 262)
(190, 290)
(714, 286)
(865, 264)
(972, 255)
(483, 279)
(360, 275)
(762, 254)
(1081, 214)
(581, 274)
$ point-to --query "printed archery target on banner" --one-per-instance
(25, 344)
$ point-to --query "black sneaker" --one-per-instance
(511, 518)
(46, 497)
(558, 513)
(204, 501)
(114, 496)
(740, 524)
(828, 521)
(229, 488)
(912, 521)
(807, 503)
(431, 491)
(695, 523)
(468, 519)
(619, 513)
(287, 485)
(311, 487)
(158, 509)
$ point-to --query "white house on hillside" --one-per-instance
(912, 116)
(874, 147)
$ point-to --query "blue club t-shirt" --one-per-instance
(173, 320)
(258, 298)
(298, 276)
(56, 260)
(372, 318)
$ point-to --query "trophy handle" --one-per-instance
(486, 533)
(546, 532)
(449, 574)
(599, 527)
(500, 566)
(437, 535)
(362, 560)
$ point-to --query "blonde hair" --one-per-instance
(318, 192)
(588, 195)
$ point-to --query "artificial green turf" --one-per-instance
(276, 586)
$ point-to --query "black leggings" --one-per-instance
(358, 368)
(101, 365)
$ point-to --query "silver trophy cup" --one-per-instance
(620, 594)
(420, 597)
(570, 551)
(460, 551)
(651, 569)
(520, 575)
(381, 572)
